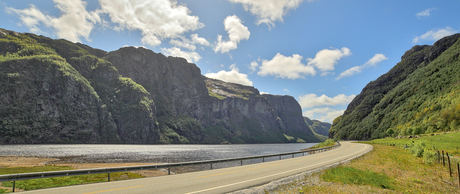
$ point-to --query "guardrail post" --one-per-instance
(263, 159)
(169, 171)
(241, 162)
(108, 177)
(14, 184)
(211, 166)
(292, 155)
(280, 157)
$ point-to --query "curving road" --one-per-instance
(220, 180)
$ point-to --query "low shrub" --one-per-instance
(430, 156)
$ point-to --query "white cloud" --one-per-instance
(253, 66)
(434, 35)
(74, 23)
(269, 11)
(191, 57)
(185, 43)
(326, 59)
(236, 32)
(199, 40)
(286, 67)
(286, 90)
(323, 114)
(425, 13)
(377, 58)
(233, 76)
(312, 100)
(156, 19)
(261, 93)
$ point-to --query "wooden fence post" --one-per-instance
(458, 173)
(448, 160)
(439, 157)
(443, 162)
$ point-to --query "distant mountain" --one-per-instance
(420, 94)
(55, 91)
(318, 127)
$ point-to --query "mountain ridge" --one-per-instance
(418, 95)
(62, 92)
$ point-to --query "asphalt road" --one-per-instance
(219, 180)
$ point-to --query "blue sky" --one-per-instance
(321, 52)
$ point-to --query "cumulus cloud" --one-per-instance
(74, 23)
(434, 35)
(312, 100)
(191, 57)
(233, 76)
(236, 32)
(326, 59)
(269, 11)
(377, 58)
(199, 40)
(425, 13)
(286, 67)
(184, 43)
(323, 114)
(253, 66)
(156, 19)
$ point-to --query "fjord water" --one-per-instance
(104, 153)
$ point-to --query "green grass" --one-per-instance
(327, 143)
(448, 142)
(350, 175)
(59, 181)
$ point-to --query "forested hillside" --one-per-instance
(420, 94)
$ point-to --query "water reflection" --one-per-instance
(97, 153)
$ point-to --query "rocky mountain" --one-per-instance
(420, 94)
(55, 91)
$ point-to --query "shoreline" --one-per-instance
(32, 161)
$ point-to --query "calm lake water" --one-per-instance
(83, 153)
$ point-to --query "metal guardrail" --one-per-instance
(49, 174)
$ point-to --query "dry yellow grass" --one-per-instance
(408, 173)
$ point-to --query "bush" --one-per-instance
(429, 156)
(418, 148)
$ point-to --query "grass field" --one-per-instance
(57, 181)
(387, 169)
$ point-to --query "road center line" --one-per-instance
(114, 189)
(237, 171)
(366, 147)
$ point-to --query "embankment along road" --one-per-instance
(220, 180)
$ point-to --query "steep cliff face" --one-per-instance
(45, 100)
(56, 91)
(289, 117)
(412, 96)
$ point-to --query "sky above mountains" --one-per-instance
(322, 52)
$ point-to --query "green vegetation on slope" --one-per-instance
(421, 94)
